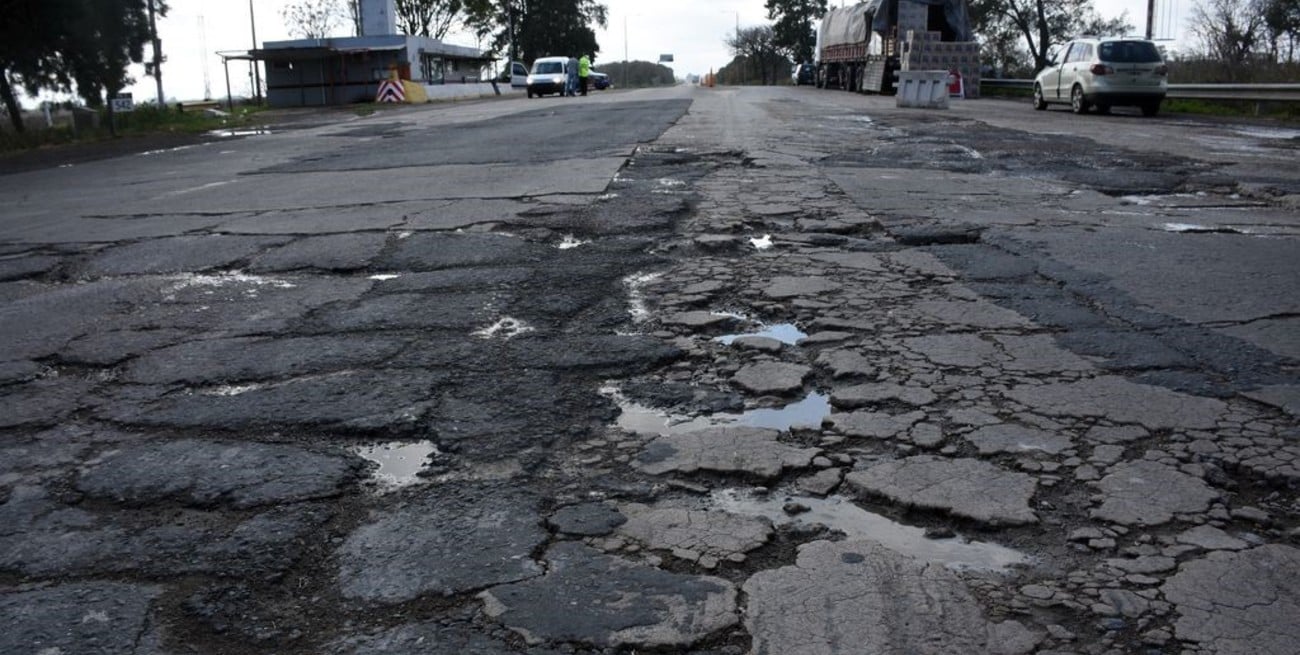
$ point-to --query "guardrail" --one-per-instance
(1246, 92)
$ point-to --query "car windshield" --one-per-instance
(1129, 52)
(547, 67)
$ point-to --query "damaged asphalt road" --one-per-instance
(681, 371)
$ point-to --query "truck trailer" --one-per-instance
(861, 48)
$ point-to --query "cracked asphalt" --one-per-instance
(709, 371)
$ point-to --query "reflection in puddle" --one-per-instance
(807, 413)
(225, 134)
(384, 277)
(1192, 228)
(636, 284)
(761, 243)
(787, 333)
(840, 514)
(399, 463)
(569, 242)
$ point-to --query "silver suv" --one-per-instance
(1105, 72)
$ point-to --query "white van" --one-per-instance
(547, 77)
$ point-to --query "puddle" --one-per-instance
(1269, 133)
(636, 284)
(1191, 228)
(506, 328)
(569, 242)
(670, 182)
(384, 277)
(787, 333)
(150, 153)
(840, 514)
(399, 462)
(226, 134)
(761, 243)
(806, 413)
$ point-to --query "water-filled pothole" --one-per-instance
(787, 333)
(1192, 228)
(399, 462)
(806, 413)
(840, 514)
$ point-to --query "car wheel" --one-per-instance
(530, 95)
(1077, 103)
(1103, 109)
(1151, 109)
(1040, 103)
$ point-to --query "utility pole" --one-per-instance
(257, 74)
(157, 55)
(624, 81)
(1151, 19)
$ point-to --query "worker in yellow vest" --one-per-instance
(584, 69)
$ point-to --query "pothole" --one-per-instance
(399, 462)
(636, 284)
(505, 328)
(808, 413)
(841, 514)
(787, 333)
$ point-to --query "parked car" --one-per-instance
(598, 80)
(1103, 73)
(547, 76)
(804, 74)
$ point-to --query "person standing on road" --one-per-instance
(584, 69)
(571, 77)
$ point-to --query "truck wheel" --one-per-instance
(1077, 103)
(1040, 103)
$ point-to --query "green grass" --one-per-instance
(145, 120)
(1288, 111)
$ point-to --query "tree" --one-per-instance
(631, 74)
(71, 45)
(312, 19)
(1230, 31)
(1042, 24)
(537, 28)
(793, 31)
(1283, 20)
(756, 47)
(433, 18)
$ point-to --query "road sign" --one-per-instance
(391, 91)
(123, 103)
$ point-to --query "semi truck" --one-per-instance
(863, 47)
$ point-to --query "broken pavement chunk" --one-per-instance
(970, 488)
(771, 378)
(1150, 493)
(1239, 603)
(602, 600)
(858, 596)
(755, 451)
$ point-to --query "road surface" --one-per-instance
(761, 370)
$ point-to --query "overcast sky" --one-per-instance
(691, 30)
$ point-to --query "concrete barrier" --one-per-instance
(923, 89)
(439, 92)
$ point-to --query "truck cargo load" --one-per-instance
(862, 47)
